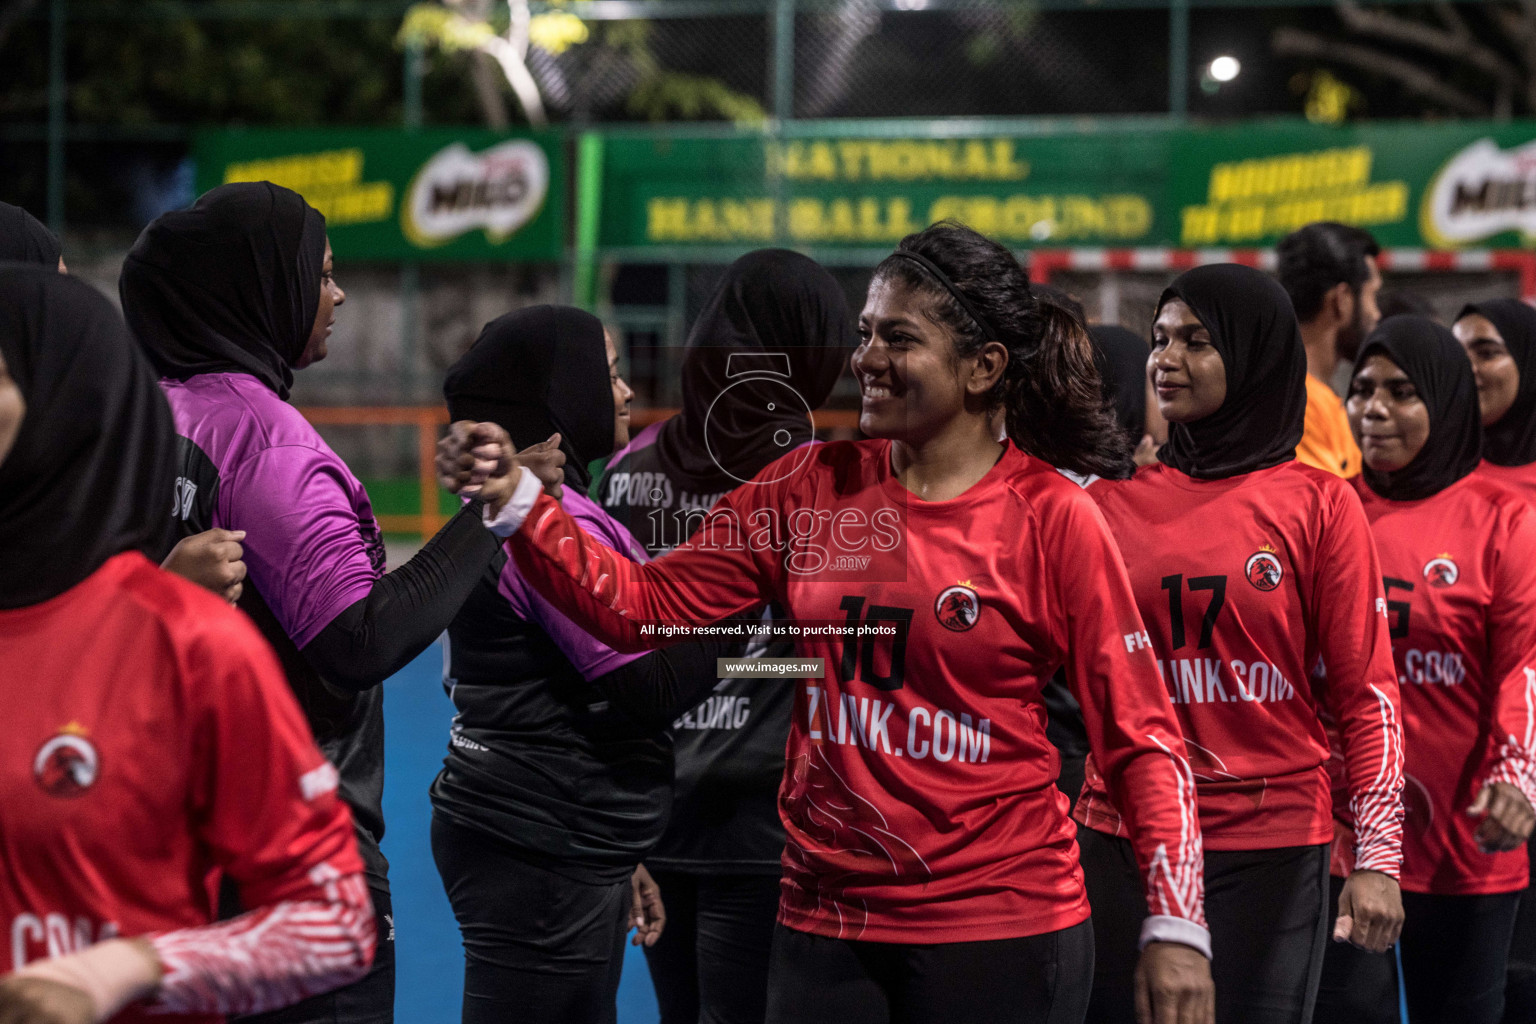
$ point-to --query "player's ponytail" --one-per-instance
(1050, 393)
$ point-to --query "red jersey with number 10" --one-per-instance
(1460, 573)
(1245, 583)
(919, 795)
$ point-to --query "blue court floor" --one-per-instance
(430, 973)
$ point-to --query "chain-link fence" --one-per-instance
(98, 98)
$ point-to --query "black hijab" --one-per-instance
(1122, 358)
(536, 371)
(92, 470)
(229, 285)
(1253, 327)
(1512, 440)
(24, 239)
(771, 301)
(1431, 358)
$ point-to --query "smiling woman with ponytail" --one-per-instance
(1049, 389)
(930, 872)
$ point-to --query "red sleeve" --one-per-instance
(268, 812)
(1131, 725)
(1349, 615)
(264, 794)
(1512, 657)
(729, 564)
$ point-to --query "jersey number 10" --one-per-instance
(859, 651)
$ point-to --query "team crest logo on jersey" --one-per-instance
(958, 607)
(1440, 571)
(67, 765)
(1263, 569)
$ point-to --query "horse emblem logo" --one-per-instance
(958, 607)
(67, 765)
(1263, 569)
(1441, 571)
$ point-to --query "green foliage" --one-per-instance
(431, 25)
(662, 95)
(658, 95)
(188, 71)
(669, 96)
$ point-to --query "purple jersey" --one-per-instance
(590, 657)
(524, 764)
(312, 545)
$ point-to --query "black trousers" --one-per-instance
(1267, 911)
(370, 1000)
(1042, 979)
(710, 965)
(1520, 986)
(1455, 955)
(539, 948)
(1070, 781)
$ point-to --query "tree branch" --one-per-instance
(11, 12)
(1452, 21)
(485, 73)
(519, 77)
(1456, 45)
(1293, 42)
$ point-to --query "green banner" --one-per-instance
(1439, 186)
(436, 194)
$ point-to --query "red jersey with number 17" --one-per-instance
(1460, 573)
(1245, 583)
(919, 797)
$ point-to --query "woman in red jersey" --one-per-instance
(1247, 567)
(1500, 338)
(151, 744)
(1457, 549)
(940, 577)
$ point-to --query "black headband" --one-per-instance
(949, 286)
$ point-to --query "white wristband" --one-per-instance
(1167, 928)
(512, 514)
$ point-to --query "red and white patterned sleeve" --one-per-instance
(1512, 641)
(1132, 728)
(269, 815)
(711, 576)
(1349, 616)
(1515, 732)
(271, 957)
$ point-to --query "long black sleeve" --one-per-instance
(644, 696)
(405, 611)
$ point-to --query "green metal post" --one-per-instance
(589, 207)
(415, 68)
(57, 95)
(1178, 58)
(677, 305)
(783, 13)
(784, 59)
(410, 272)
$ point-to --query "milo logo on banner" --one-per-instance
(1482, 191)
(456, 191)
